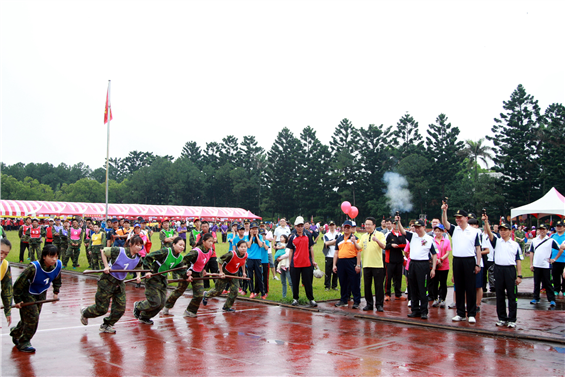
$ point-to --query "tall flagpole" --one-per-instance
(108, 149)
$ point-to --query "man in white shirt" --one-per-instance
(329, 251)
(281, 229)
(508, 260)
(421, 250)
(541, 248)
(466, 259)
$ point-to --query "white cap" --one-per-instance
(299, 220)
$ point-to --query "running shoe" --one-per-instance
(252, 295)
(340, 304)
(471, 320)
(387, 298)
(107, 329)
(166, 311)
(147, 321)
(435, 303)
(552, 304)
(501, 323)
(205, 299)
(189, 314)
(313, 304)
(457, 318)
(28, 349)
(534, 301)
(264, 297)
(83, 320)
(442, 304)
(402, 298)
(511, 325)
(294, 303)
(228, 310)
(452, 305)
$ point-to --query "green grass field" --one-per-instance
(275, 287)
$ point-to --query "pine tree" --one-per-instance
(515, 136)
(281, 174)
(442, 152)
(230, 151)
(345, 170)
(552, 148)
(407, 137)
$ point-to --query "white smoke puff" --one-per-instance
(398, 196)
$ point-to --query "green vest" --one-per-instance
(168, 233)
(171, 261)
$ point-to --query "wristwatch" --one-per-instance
(520, 276)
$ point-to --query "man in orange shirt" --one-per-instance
(347, 265)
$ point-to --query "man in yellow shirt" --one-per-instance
(372, 244)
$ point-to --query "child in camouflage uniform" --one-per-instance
(32, 286)
(75, 240)
(197, 258)
(230, 262)
(111, 286)
(64, 244)
(97, 242)
(156, 286)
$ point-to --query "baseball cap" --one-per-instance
(461, 212)
(299, 220)
(137, 225)
(505, 225)
(166, 219)
(473, 221)
(439, 226)
(419, 223)
(331, 222)
(347, 223)
(542, 226)
(353, 224)
(560, 223)
(254, 225)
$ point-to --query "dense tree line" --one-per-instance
(301, 175)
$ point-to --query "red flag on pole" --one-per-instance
(107, 109)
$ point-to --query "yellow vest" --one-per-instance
(3, 269)
(96, 239)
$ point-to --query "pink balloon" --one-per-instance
(353, 212)
(345, 207)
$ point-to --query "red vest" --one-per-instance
(35, 233)
(235, 263)
(49, 234)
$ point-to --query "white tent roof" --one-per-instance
(552, 203)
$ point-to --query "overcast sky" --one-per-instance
(201, 70)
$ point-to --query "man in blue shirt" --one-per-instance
(559, 263)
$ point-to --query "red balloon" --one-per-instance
(345, 207)
(353, 212)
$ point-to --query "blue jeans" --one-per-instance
(285, 276)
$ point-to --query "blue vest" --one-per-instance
(42, 279)
(123, 262)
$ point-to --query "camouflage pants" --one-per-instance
(155, 296)
(222, 284)
(197, 294)
(73, 252)
(34, 250)
(88, 250)
(63, 254)
(29, 319)
(109, 289)
(96, 258)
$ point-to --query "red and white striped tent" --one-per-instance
(21, 208)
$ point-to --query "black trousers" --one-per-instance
(330, 280)
(419, 270)
(307, 274)
(377, 276)
(465, 281)
(224, 237)
(266, 269)
(439, 284)
(394, 274)
(256, 276)
(505, 277)
(348, 280)
(542, 275)
(558, 281)
(212, 267)
(23, 247)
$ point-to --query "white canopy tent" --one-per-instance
(552, 203)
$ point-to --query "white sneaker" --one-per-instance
(511, 325)
(410, 303)
(458, 318)
(275, 278)
(452, 305)
(189, 314)
(471, 320)
(501, 323)
(83, 320)
(166, 311)
(435, 303)
(107, 329)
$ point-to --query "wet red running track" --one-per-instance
(263, 340)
